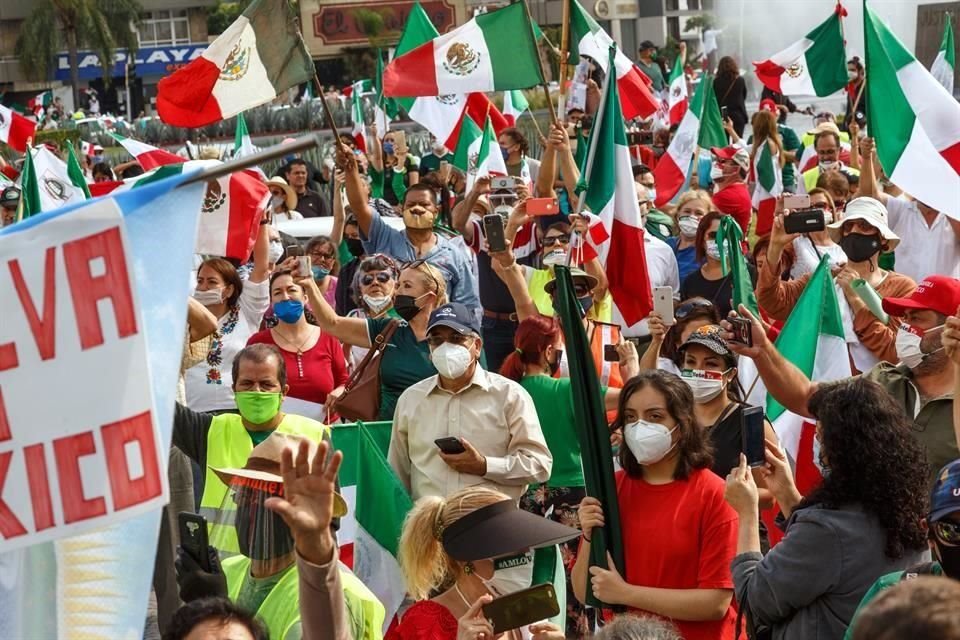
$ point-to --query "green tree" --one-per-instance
(100, 25)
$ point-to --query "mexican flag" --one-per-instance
(677, 98)
(46, 184)
(944, 64)
(39, 103)
(369, 534)
(242, 144)
(616, 237)
(915, 121)
(257, 58)
(357, 90)
(386, 109)
(701, 127)
(75, 172)
(514, 104)
(815, 65)
(477, 153)
(470, 58)
(591, 40)
(147, 156)
(15, 130)
(733, 263)
(768, 184)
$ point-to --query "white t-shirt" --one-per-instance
(287, 215)
(807, 260)
(923, 250)
(663, 271)
(209, 384)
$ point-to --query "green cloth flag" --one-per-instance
(733, 263)
(711, 133)
(242, 143)
(75, 172)
(945, 64)
(473, 154)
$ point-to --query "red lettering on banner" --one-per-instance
(5, 433)
(42, 328)
(67, 452)
(125, 490)
(8, 356)
(10, 525)
(39, 483)
(86, 289)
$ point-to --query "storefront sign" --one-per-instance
(159, 61)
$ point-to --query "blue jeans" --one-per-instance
(497, 341)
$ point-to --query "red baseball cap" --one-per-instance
(939, 293)
(737, 154)
(768, 105)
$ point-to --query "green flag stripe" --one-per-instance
(485, 141)
(382, 501)
(241, 132)
(514, 65)
(75, 172)
(766, 173)
(416, 31)
(581, 24)
(30, 194)
(729, 240)
(826, 59)
(946, 45)
(609, 133)
(468, 133)
(711, 132)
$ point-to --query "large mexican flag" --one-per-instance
(768, 185)
(915, 121)
(815, 65)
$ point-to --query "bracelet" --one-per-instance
(263, 222)
(585, 537)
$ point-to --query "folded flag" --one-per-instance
(734, 264)
(815, 65)
(677, 99)
(768, 185)
(39, 103)
(915, 122)
(75, 172)
(46, 184)
(259, 56)
(242, 144)
(946, 61)
(470, 58)
(15, 130)
(591, 40)
(477, 153)
(514, 104)
(147, 156)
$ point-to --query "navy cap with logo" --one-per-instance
(456, 316)
(945, 496)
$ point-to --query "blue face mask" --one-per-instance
(288, 311)
(388, 148)
(319, 273)
(505, 152)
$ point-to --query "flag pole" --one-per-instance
(536, 125)
(270, 153)
(543, 76)
(564, 56)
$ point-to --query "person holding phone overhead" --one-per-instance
(679, 536)
(473, 545)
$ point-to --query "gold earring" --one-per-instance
(468, 568)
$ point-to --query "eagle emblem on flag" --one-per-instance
(795, 70)
(236, 64)
(461, 59)
(214, 198)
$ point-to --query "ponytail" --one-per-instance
(533, 336)
(422, 558)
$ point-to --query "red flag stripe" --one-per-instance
(247, 193)
(627, 272)
(185, 99)
(412, 74)
(769, 73)
(669, 179)
(636, 100)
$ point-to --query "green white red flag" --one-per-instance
(258, 57)
(768, 185)
(46, 183)
(15, 130)
(945, 64)
(242, 143)
(677, 99)
(815, 65)
(359, 89)
(39, 103)
(470, 58)
(514, 104)
(477, 153)
(147, 156)
(915, 122)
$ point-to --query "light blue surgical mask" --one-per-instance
(319, 273)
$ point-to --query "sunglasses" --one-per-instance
(947, 531)
(549, 241)
(456, 338)
(383, 278)
(687, 308)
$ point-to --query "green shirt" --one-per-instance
(653, 72)
(882, 583)
(553, 399)
(406, 361)
(791, 142)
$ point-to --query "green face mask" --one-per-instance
(258, 407)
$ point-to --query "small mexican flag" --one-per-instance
(514, 104)
(734, 264)
(768, 179)
(359, 89)
(75, 172)
(39, 103)
(258, 57)
(944, 64)
(46, 183)
(147, 156)
(477, 153)
(915, 121)
(386, 109)
(470, 58)
(815, 65)
(677, 99)
(15, 130)
(242, 144)
(701, 127)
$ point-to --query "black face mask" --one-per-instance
(949, 559)
(355, 247)
(860, 247)
(406, 306)
(586, 303)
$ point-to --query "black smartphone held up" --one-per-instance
(520, 608)
(610, 353)
(294, 250)
(742, 331)
(804, 221)
(723, 112)
(450, 445)
(751, 436)
(193, 537)
(493, 230)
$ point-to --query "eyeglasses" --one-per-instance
(382, 277)
(320, 255)
(947, 531)
(687, 308)
(456, 338)
(549, 241)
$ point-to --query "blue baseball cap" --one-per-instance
(456, 316)
(945, 497)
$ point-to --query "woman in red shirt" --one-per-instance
(314, 360)
(679, 536)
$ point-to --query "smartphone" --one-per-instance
(450, 445)
(521, 608)
(751, 436)
(543, 207)
(503, 183)
(294, 250)
(723, 112)
(794, 201)
(304, 265)
(663, 304)
(610, 353)
(193, 537)
(742, 331)
(804, 221)
(493, 230)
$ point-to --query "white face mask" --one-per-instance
(688, 226)
(557, 256)
(716, 173)
(208, 297)
(652, 194)
(276, 201)
(451, 360)
(908, 345)
(275, 251)
(705, 385)
(649, 442)
(827, 216)
(852, 75)
(377, 303)
(713, 250)
(829, 165)
(510, 575)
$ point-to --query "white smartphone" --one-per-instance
(793, 202)
(663, 303)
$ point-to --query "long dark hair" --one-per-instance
(696, 308)
(693, 447)
(874, 460)
(727, 68)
